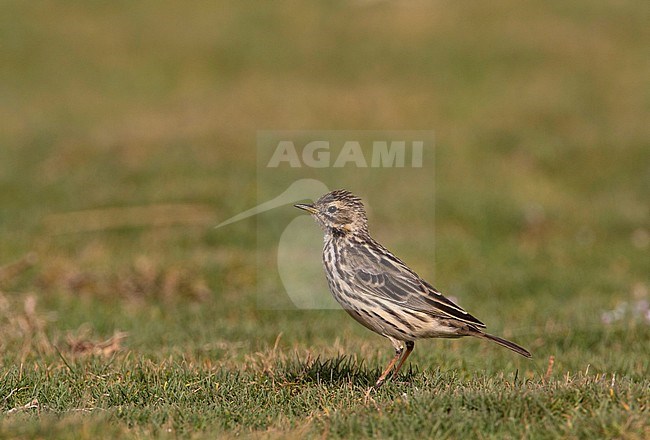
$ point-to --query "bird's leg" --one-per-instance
(409, 348)
(399, 349)
(382, 378)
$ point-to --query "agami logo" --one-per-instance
(297, 274)
(360, 154)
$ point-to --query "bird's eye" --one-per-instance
(331, 209)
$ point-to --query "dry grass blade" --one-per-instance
(33, 404)
(86, 346)
(24, 328)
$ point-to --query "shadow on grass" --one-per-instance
(336, 371)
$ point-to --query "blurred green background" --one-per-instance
(128, 130)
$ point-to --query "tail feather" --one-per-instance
(504, 342)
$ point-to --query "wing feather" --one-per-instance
(380, 273)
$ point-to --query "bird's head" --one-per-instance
(339, 213)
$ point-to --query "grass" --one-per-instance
(128, 131)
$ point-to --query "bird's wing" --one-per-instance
(378, 272)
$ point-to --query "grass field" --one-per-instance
(128, 130)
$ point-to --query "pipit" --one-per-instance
(381, 292)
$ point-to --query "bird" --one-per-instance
(379, 290)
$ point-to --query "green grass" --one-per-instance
(128, 130)
(302, 395)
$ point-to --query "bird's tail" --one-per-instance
(504, 342)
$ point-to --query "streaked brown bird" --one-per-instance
(381, 292)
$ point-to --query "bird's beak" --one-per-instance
(309, 208)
